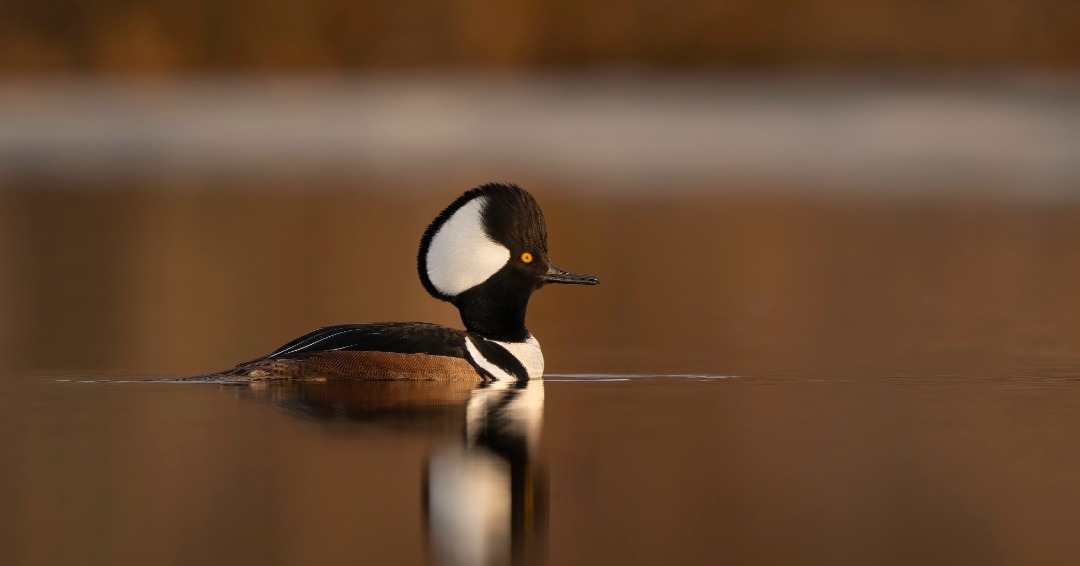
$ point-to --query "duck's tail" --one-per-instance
(256, 370)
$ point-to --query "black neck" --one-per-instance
(496, 309)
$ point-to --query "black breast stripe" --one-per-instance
(499, 356)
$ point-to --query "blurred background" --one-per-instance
(867, 211)
(160, 38)
(224, 175)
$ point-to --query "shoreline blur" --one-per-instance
(892, 135)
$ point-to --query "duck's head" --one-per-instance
(486, 253)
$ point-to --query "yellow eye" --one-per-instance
(526, 257)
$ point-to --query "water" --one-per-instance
(754, 381)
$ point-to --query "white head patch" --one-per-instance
(461, 255)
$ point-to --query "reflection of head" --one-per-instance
(483, 503)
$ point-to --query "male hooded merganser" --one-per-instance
(485, 254)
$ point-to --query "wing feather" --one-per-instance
(396, 337)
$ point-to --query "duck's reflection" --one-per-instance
(483, 496)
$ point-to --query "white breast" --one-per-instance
(528, 354)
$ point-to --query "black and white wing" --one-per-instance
(396, 337)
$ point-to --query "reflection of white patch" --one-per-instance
(470, 507)
(488, 412)
(461, 255)
(527, 413)
(496, 371)
(528, 353)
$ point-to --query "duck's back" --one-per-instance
(377, 351)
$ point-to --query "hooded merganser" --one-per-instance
(485, 254)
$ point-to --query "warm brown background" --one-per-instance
(192, 279)
(174, 35)
(906, 359)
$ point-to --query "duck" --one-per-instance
(486, 254)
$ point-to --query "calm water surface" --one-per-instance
(754, 381)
